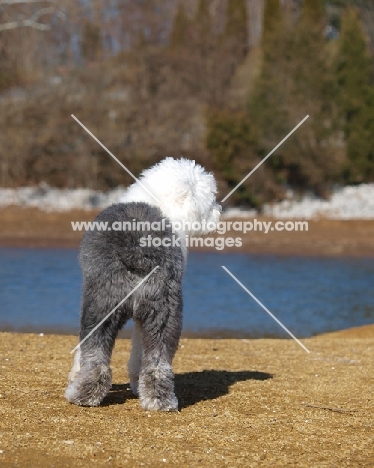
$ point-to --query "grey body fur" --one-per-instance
(113, 263)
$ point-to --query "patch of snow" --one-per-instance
(351, 202)
(239, 213)
(52, 199)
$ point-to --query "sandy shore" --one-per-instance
(242, 403)
(30, 227)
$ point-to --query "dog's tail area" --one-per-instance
(138, 237)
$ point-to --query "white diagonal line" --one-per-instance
(265, 158)
(265, 309)
(116, 159)
(116, 307)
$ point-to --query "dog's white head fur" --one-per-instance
(182, 190)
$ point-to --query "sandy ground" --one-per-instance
(33, 228)
(242, 403)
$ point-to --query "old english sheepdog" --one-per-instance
(171, 200)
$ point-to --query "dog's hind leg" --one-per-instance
(94, 378)
(135, 358)
(160, 330)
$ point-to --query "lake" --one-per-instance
(40, 292)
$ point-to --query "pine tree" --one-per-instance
(237, 22)
(295, 80)
(202, 23)
(313, 159)
(91, 41)
(267, 104)
(179, 34)
(309, 47)
(231, 141)
(313, 12)
(353, 65)
(356, 99)
(272, 22)
(234, 39)
(232, 137)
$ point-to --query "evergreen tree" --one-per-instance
(356, 99)
(232, 136)
(179, 34)
(295, 80)
(202, 12)
(237, 23)
(233, 41)
(312, 160)
(201, 56)
(353, 66)
(231, 141)
(91, 41)
(313, 12)
(309, 48)
(268, 104)
(202, 23)
(273, 20)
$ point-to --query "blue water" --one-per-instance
(40, 292)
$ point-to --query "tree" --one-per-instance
(203, 21)
(356, 99)
(313, 12)
(308, 52)
(26, 28)
(236, 28)
(91, 44)
(203, 63)
(312, 157)
(29, 17)
(296, 80)
(268, 104)
(231, 141)
(179, 34)
(273, 21)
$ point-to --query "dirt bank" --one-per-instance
(30, 227)
(242, 403)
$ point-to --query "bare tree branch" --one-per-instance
(19, 2)
(32, 22)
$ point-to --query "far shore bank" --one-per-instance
(31, 227)
(364, 331)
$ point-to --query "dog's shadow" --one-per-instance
(193, 387)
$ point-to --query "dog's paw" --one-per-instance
(90, 387)
(156, 388)
(158, 404)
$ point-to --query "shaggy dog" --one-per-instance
(172, 199)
